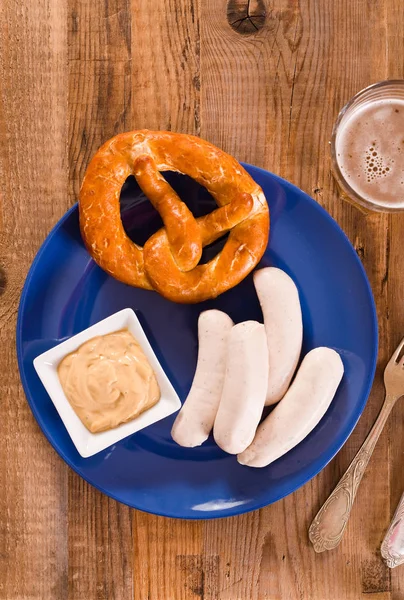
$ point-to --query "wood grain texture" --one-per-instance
(33, 105)
(395, 307)
(166, 65)
(72, 74)
(169, 560)
(100, 544)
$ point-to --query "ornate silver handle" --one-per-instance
(328, 526)
(392, 549)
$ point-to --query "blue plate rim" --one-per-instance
(321, 462)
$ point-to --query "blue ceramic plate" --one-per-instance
(66, 292)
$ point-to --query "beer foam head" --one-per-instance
(370, 151)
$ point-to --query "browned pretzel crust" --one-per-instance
(168, 263)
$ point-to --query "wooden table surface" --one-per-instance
(74, 73)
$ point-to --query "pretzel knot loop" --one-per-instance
(169, 260)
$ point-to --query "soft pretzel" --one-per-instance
(168, 262)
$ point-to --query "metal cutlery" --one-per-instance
(328, 526)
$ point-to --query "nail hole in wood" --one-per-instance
(246, 16)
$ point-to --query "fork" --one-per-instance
(329, 524)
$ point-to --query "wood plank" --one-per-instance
(168, 557)
(169, 562)
(100, 541)
(100, 545)
(271, 99)
(166, 65)
(33, 103)
(99, 39)
(394, 276)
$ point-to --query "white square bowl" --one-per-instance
(88, 443)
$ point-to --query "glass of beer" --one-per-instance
(367, 147)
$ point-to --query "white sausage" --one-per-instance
(244, 389)
(304, 404)
(195, 420)
(280, 306)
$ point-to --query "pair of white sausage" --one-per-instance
(234, 362)
(229, 386)
(242, 367)
(300, 410)
(304, 403)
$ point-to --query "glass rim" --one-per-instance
(341, 180)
